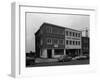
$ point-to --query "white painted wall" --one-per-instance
(71, 38)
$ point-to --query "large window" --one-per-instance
(59, 51)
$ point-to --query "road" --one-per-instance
(75, 62)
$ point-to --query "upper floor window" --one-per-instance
(61, 41)
(66, 41)
(78, 34)
(78, 42)
(49, 41)
(70, 42)
(66, 33)
(73, 42)
(49, 29)
(73, 34)
(70, 33)
(55, 41)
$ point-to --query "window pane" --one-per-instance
(66, 33)
(73, 34)
(73, 42)
(70, 42)
(66, 41)
(55, 41)
(70, 33)
(76, 34)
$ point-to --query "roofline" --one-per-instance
(55, 26)
(37, 31)
(60, 26)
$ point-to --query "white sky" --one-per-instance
(35, 20)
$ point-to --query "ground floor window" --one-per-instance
(73, 52)
(59, 51)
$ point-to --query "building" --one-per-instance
(52, 41)
(73, 42)
(85, 45)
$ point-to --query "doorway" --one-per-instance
(49, 53)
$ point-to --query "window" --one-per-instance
(61, 41)
(70, 33)
(66, 41)
(73, 34)
(66, 33)
(78, 42)
(49, 30)
(55, 41)
(76, 34)
(70, 42)
(73, 42)
(59, 51)
(79, 35)
(49, 41)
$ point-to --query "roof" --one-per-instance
(45, 23)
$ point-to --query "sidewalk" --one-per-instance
(42, 60)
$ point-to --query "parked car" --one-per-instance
(79, 58)
(64, 58)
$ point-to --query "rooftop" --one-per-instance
(45, 23)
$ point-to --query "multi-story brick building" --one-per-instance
(52, 41)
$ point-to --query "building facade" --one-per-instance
(52, 41)
(85, 45)
(72, 42)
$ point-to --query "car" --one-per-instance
(79, 58)
(64, 58)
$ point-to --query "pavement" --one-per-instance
(45, 60)
(73, 62)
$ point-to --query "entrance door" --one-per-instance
(67, 52)
(49, 53)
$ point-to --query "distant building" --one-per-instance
(85, 45)
(52, 41)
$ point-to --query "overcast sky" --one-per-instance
(35, 20)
